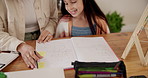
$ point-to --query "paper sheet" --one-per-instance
(93, 49)
(6, 58)
(59, 53)
(37, 73)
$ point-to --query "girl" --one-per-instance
(81, 18)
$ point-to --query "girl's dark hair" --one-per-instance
(91, 11)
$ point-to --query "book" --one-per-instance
(37, 73)
(60, 53)
(7, 58)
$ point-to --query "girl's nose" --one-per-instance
(70, 7)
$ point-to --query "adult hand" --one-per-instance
(45, 37)
(28, 54)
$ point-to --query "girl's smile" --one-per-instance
(74, 7)
(73, 12)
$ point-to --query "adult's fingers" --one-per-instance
(28, 61)
(43, 36)
(39, 55)
(33, 55)
(32, 61)
(28, 55)
(48, 38)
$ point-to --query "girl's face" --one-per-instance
(74, 7)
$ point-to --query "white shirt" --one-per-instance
(30, 16)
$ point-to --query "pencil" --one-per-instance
(36, 60)
(2, 65)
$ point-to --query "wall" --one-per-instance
(130, 9)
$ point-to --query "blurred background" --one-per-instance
(131, 10)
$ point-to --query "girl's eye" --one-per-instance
(73, 1)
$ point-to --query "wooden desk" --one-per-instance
(117, 42)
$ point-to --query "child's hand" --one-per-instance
(45, 37)
(63, 35)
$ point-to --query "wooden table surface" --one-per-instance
(117, 42)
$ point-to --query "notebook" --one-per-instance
(60, 53)
(37, 73)
(7, 58)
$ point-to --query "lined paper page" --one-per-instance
(93, 49)
(58, 53)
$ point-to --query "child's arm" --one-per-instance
(59, 30)
(62, 28)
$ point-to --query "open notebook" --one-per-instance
(7, 58)
(60, 53)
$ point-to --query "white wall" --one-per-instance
(130, 9)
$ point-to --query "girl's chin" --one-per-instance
(74, 15)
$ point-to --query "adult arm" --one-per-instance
(48, 32)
